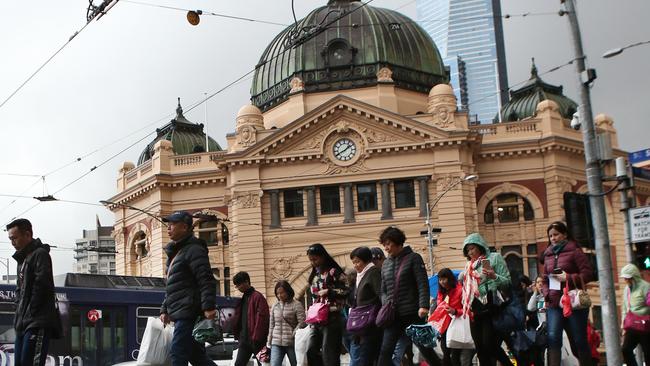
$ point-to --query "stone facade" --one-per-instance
(337, 169)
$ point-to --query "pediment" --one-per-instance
(344, 117)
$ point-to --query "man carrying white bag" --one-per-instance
(156, 343)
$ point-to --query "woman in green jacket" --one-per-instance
(485, 274)
(634, 300)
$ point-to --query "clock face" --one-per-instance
(344, 149)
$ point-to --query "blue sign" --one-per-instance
(640, 157)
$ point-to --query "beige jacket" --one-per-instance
(285, 317)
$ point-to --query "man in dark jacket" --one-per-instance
(251, 319)
(410, 297)
(37, 319)
(191, 290)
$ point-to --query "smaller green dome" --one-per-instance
(523, 101)
(186, 137)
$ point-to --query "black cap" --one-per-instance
(179, 216)
(377, 253)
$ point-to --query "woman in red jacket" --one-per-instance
(565, 265)
(449, 299)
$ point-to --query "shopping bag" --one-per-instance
(318, 313)
(565, 302)
(423, 335)
(156, 343)
(207, 330)
(301, 344)
(459, 334)
(440, 319)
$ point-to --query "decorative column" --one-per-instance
(348, 203)
(312, 219)
(386, 208)
(275, 208)
(423, 190)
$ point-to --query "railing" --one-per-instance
(510, 128)
(187, 160)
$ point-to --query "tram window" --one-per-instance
(7, 333)
(75, 330)
(142, 313)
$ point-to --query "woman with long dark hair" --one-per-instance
(449, 298)
(565, 265)
(286, 315)
(327, 284)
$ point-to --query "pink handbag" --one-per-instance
(318, 313)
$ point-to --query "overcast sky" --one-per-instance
(119, 79)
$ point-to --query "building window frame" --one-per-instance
(293, 203)
(404, 193)
(367, 197)
(330, 200)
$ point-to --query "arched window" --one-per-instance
(140, 246)
(208, 232)
(508, 207)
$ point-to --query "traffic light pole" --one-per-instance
(595, 185)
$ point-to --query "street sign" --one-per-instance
(640, 224)
(94, 315)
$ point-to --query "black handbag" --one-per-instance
(541, 336)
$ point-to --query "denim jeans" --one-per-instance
(575, 326)
(395, 341)
(278, 352)
(326, 342)
(184, 348)
(31, 345)
(364, 349)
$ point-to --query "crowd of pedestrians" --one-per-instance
(380, 312)
(481, 312)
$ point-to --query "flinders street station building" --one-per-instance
(352, 127)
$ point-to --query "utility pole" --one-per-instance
(595, 185)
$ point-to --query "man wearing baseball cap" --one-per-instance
(190, 291)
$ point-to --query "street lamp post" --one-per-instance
(430, 229)
(595, 184)
(617, 51)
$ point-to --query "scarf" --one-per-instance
(470, 285)
(557, 248)
(363, 272)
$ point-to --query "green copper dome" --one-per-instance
(186, 137)
(329, 54)
(523, 101)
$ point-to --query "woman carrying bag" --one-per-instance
(449, 304)
(329, 293)
(566, 267)
(485, 276)
(286, 315)
(404, 297)
(635, 312)
(364, 347)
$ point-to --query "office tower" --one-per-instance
(469, 35)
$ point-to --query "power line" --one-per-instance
(203, 12)
(43, 65)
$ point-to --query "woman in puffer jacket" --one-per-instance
(286, 315)
(565, 265)
(635, 296)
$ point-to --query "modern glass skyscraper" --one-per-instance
(469, 35)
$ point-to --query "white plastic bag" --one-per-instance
(301, 344)
(459, 334)
(156, 343)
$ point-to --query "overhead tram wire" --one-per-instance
(44, 64)
(204, 12)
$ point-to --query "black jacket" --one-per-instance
(35, 297)
(413, 292)
(191, 287)
(369, 290)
